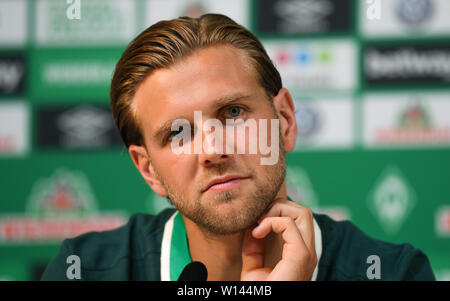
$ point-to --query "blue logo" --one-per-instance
(308, 121)
(414, 12)
(304, 56)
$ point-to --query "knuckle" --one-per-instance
(306, 212)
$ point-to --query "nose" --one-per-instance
(213, 150)
(208, 160)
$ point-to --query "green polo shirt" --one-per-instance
(153, 247)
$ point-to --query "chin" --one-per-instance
(230, 219)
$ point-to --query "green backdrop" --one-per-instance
(374, 142)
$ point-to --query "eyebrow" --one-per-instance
(218, 103)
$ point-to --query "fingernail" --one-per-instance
(255, 230)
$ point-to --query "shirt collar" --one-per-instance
(174, 248)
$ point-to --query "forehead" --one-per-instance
(192, 84)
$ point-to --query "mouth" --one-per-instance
(224, 183)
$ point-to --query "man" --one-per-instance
(233, 214)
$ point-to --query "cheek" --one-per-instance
(249, 162)
(176, 170)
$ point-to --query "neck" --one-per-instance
(222, 254)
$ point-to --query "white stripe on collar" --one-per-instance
(167, 241)
(318, 247)
(165, 248)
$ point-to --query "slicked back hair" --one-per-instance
(164, 44)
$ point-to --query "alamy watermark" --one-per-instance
(374, 270)
(235, 129)
(74, 269)
(373, 9)
(73, 11)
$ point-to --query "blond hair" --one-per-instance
(165, 43)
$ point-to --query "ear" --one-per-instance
(142, 162)
(284, 106)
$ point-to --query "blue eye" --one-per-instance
(234, 111)
(173, 134)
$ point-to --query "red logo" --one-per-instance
(61, 206)
(443, 221)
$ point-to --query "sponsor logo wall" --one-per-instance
(405, 19)
(324, 123)
(391, 199)
(77, 127)
(157, 10)
(14, 128)
(406, 120)
(372, 99)
(61, 206)
(407, 64)
(103, 22)
(303, 16)
(12, 73)
(315, 65)
(13, 22)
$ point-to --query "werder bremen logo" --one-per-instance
(391, 200)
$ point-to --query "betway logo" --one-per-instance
(408, 63)
(11, 74)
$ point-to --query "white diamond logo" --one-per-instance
(392, 200)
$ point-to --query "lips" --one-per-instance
(224, 183)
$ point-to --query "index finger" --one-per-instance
(302, 217)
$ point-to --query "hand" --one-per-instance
(295, 225)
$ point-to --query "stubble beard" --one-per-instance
(252, 205)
